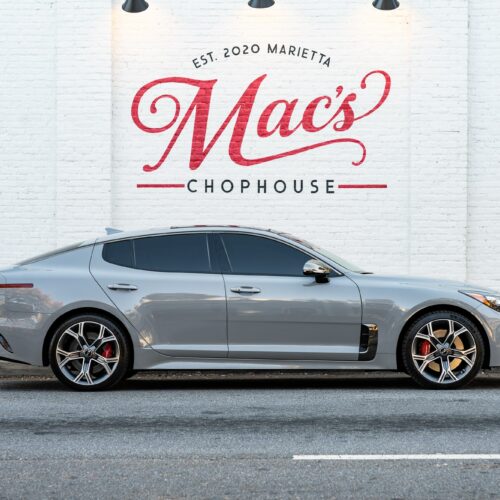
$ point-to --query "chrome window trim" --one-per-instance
(272, 236)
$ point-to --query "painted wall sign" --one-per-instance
(281, 118)
(271, 48)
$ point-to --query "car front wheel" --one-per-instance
(443, 350)
(89, 353)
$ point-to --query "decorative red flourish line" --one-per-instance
(161, 186)
(362, 186)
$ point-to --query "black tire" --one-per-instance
(115, 372)
(424, 376)
(131, 373)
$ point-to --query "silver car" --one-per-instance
(217, 297)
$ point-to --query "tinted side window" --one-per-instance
(119, 253)
(182, 253)
(257, 255)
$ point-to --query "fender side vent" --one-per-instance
(368, 342)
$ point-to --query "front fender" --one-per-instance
(391, 309)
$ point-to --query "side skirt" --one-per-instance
(158, 362)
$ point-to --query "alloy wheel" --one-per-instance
(444, 351)
(87, 353)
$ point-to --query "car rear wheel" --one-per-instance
(443, 350)
(89, 353)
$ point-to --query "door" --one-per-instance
(275, 312)
(168, 289)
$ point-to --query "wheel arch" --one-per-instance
(78, 312)
(443, 307)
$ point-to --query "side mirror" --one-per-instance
(317, 269)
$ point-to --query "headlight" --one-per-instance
(487, 299)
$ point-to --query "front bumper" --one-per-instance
(491, 322)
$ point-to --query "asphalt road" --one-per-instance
(234, 436)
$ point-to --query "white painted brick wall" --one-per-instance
(27, 128)
(70, 155)
(438, 138)
(483, 180)
(83, 119)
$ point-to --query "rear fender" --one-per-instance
(61, 284)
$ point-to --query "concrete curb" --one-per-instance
(8, 370)
(13, 370)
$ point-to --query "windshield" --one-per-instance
(330, 255)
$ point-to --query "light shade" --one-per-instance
(261, 4)
(386, 4)
(134, 6)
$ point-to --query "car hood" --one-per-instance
(421, 282)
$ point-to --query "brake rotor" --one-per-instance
(457, 344)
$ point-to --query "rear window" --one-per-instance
(52, 253)
(120, 253)
(180, 253)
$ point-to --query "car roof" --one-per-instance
(117, 235)
(180, 229)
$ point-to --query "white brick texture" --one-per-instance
(71, 156)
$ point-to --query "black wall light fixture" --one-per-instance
(261, 4)
(135, 6)
(386, 4)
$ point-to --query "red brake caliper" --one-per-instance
(424, 348)
(107, 351)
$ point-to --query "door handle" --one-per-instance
(122, 286)
(246, 289)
